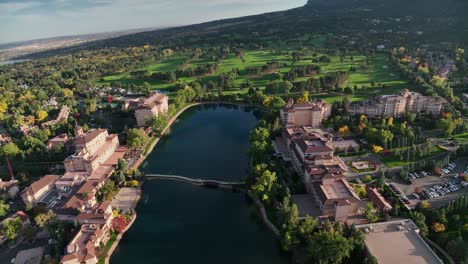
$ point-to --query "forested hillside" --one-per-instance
(364, 22)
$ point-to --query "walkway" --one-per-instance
(190, 180)
(446, 255)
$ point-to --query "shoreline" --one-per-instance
(143, 158)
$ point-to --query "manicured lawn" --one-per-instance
(461, 137)
(391, 161)
(380, 71)
(149, 145)
(107, 247)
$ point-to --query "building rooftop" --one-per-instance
(398, 242)
(41, 183)
(315, 146)
(377, 199)
(337, 188)
(29, 256)
(89, 136)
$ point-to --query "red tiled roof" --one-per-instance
(376, 197)
(41, 183)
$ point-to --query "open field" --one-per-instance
(461, 137)
(378, 71)
(391, 161)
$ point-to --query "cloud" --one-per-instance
(9, 8)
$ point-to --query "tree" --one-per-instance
(11, 228)
(367, 179)
(258, 151)
(136, 138)
(447, 125)
(120, 164)
(3, 208)
(259, 134)
(420, 220)
(307, 226)
(360, 190)
(108, 190)
(457, 249)
(343, 131)
(42, 219)
(376, 149)
(67, 93)
(288, 217)
(380, 183)
(263, 185)
(10, 150)
(328, 248)
(438, 227)
(424, 205)
(146, 89)
(41, 115)
(304, 97)
(369, 213)
(158, 123)
(276, 103)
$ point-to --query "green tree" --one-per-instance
(263, 185)
(259, 134)
(11, 228)
(328, 248)
(276, 103)
(3, 208)
(42, 219)
(136, 138)
(10, 150)
(457, 249)
(420, 220)
(288, 217)
(447, 125)
(307, 227)
(258, 151)
(369, 213)
(146, 89)
(159, 123)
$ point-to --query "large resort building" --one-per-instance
(310, 114)
(87, 169)
(397, 242)
(146, 108)
(397, 105)
(92, 149)
(311, 151)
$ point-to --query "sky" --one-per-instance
(33, 19)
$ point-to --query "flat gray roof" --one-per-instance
(390, 245)
(29, 256)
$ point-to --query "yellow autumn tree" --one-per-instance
(26, 97)
(377, 149)
(363, 119)
(424, 204)
(344, 130)
(30, 119)
(390, 122)
(304, 97)
(41, 115)
(67, 92)
(438, 227)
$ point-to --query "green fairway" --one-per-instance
(378, 71)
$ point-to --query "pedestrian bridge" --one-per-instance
(200, 182)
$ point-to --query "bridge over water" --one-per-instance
(199, 182)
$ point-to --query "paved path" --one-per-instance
(191, 180)
(446, 255)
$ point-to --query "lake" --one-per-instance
(181, 223)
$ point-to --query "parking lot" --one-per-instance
(438, 190)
